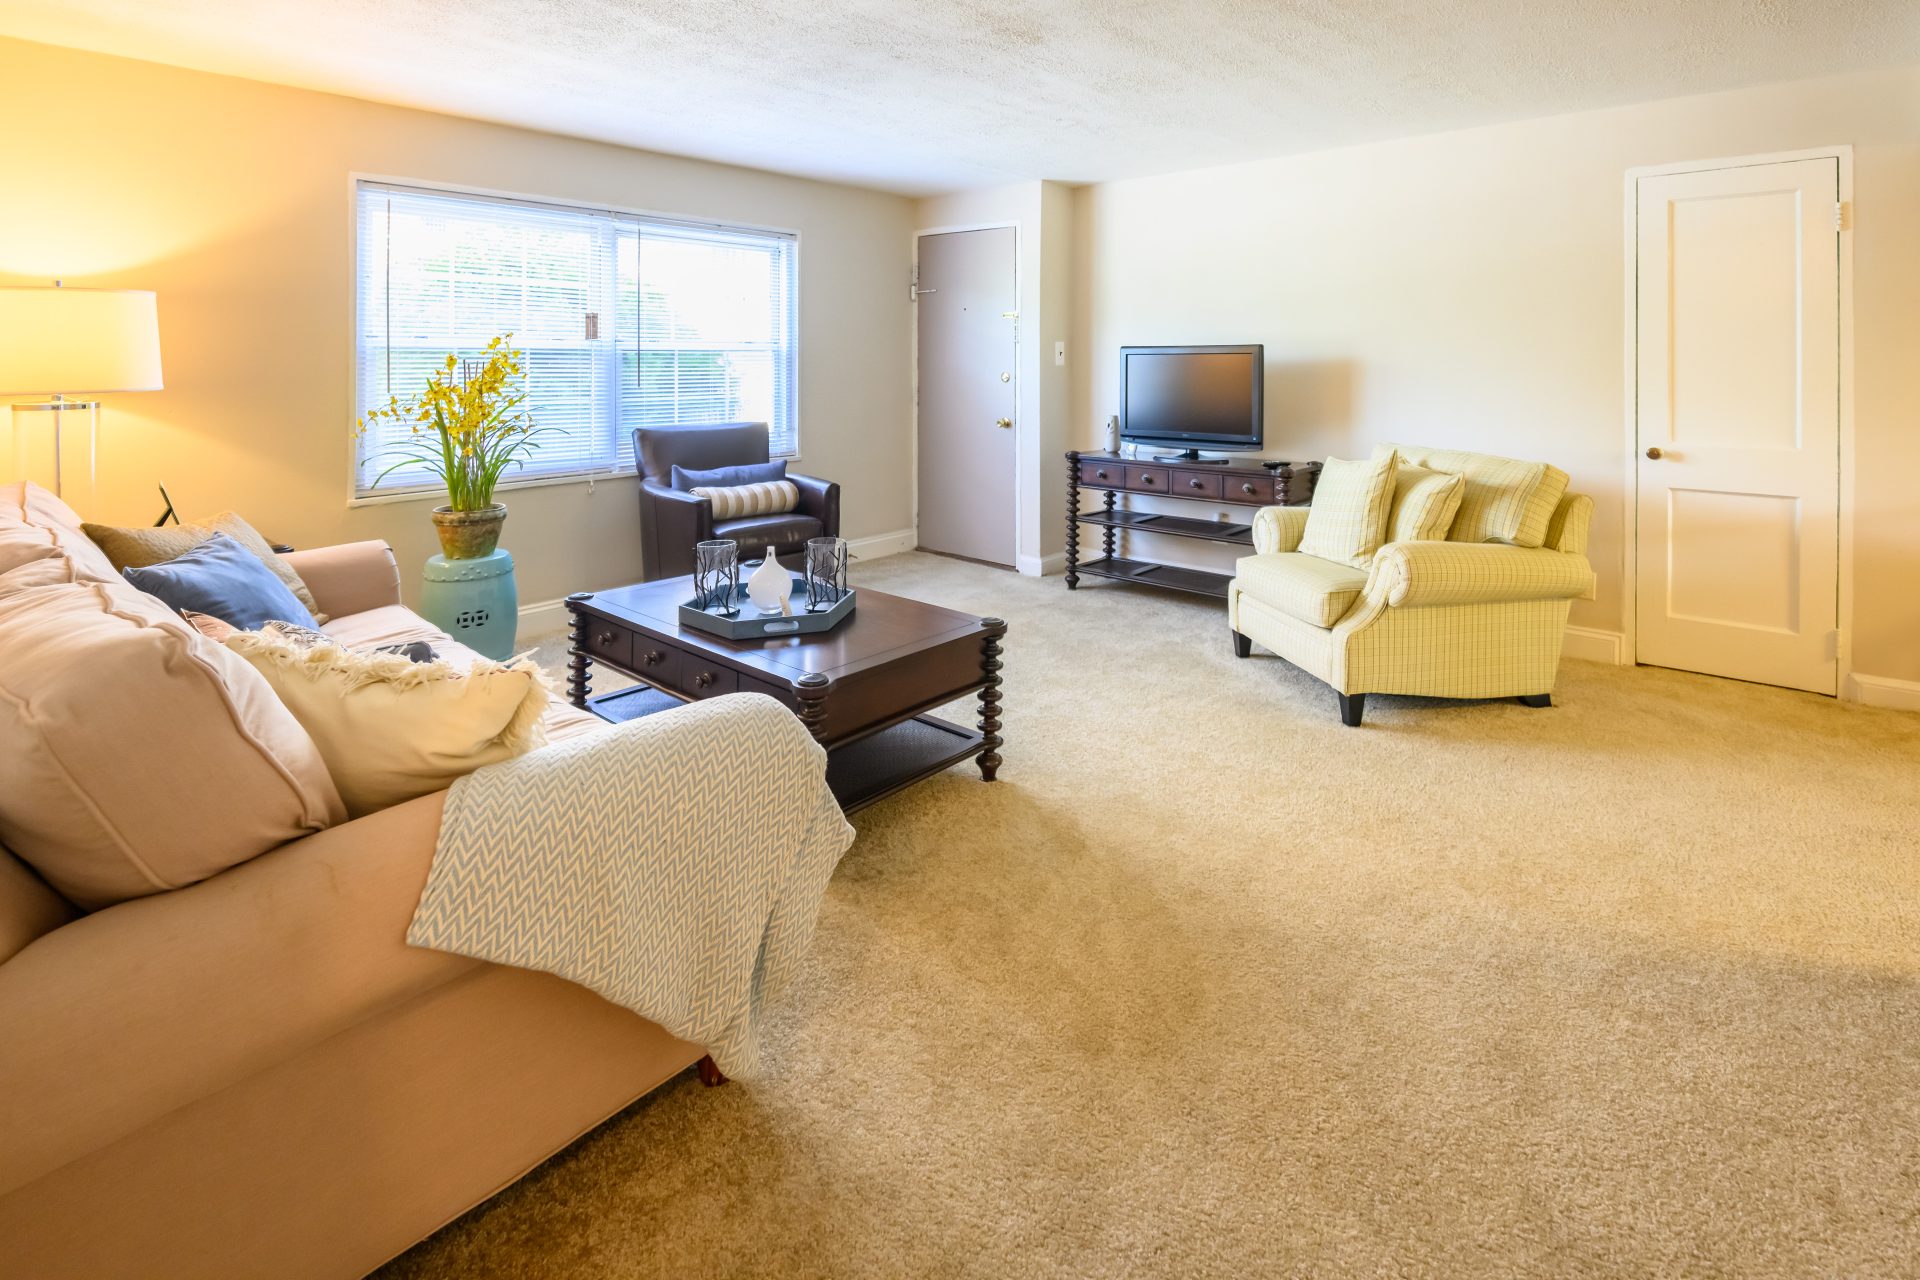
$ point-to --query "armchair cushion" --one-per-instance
(756, 534)
(1315, 591)
(1348, 519)
(1506, 500)
(1424, 504)
(1414, 575)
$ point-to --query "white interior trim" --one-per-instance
(1591, 644)
(1884, 691)
(1630, 525)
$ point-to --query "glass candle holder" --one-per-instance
(716, 576)
(826, 572)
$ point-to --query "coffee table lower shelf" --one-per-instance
(858, 772)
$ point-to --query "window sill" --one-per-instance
(438, 496)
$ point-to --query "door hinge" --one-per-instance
(1836, 645)
(1843, 215)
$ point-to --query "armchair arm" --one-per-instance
(821, 500)
(1278, 529)
(1414, 575)
(671, 521)
(352, 577)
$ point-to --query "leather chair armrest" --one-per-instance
(1278, 529)
(1413, 575)
(821, 500)
(671, 521)
(350, 578)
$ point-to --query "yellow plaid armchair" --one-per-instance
(1466, 619)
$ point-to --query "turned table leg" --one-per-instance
(1073, 521)
(811, 690)
(991, 740)
(580, 664)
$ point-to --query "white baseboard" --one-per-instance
(883, 544)
(1884, 691)
(542, 618)
(1594, 645)
(1041, 566)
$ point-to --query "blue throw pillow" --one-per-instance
(222, 578)
(727, 477)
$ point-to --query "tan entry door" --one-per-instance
(1738, 350)
(968, 296)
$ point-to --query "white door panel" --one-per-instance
(967, 338)
(1738, 341)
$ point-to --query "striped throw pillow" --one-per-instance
(736, 501)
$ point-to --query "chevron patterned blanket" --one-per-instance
(674, 864)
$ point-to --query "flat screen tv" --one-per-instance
(1192, 398)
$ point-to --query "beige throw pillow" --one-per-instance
(735, 502)
(137, 755)
(1424, 504)
(36, 525)
(1506, 499)
(139, 547)
(1347, 522)
(391, 729)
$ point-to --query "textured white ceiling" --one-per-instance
(921, 96)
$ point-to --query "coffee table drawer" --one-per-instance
(705, 679)
(608, 643)
(658, 662)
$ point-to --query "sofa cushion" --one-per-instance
(1348, 519)
(35, 525)
(134, 548)
(391, 729)
(29, 909)
(1315, 591)
(1506, 500)
(222, 578)
(1425, 503)
(139, 755)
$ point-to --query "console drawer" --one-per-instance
(1197, 484)
(1256, 490)
(1150, 479)
(609, 643)
(1105, 475)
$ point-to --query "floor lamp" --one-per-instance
(72, 344)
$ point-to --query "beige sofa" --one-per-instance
(253, 1075)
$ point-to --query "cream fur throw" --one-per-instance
(390, 729)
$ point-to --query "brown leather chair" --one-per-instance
(671, 520)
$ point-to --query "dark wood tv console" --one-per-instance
(1290, 485)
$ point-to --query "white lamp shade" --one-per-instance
(75, 341)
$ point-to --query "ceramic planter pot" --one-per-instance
(469, 535)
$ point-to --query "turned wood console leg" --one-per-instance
(1107, 533)
(710, 1075)
(580, 663)
(991, 741)
(1073, 520)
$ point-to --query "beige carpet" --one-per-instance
(1210, 985)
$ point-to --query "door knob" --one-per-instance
(1653, 452)
(1006, 423)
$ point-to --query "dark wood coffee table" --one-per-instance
(863, 690)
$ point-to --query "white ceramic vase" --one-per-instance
(769, 586)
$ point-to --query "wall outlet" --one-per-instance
(1059, 353)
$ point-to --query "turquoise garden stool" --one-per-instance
(474, 601)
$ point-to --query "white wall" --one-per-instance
(230, 199)
(1466, 289)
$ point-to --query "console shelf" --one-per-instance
(1290, 484)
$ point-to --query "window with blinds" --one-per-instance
(626, 321)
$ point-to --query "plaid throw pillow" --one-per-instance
(1424, 504)
(734, 502)
(1348, 519)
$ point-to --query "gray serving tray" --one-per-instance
(751, 624)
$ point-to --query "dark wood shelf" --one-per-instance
(1178, 526)
(1147, 573)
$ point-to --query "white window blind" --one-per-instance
(626, 321)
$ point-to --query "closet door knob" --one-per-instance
(1654, 452)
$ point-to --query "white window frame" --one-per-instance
(627, 212)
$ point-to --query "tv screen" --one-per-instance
(1197, 397)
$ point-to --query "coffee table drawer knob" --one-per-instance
(651, 657)
(703, 679)
(606, 638)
